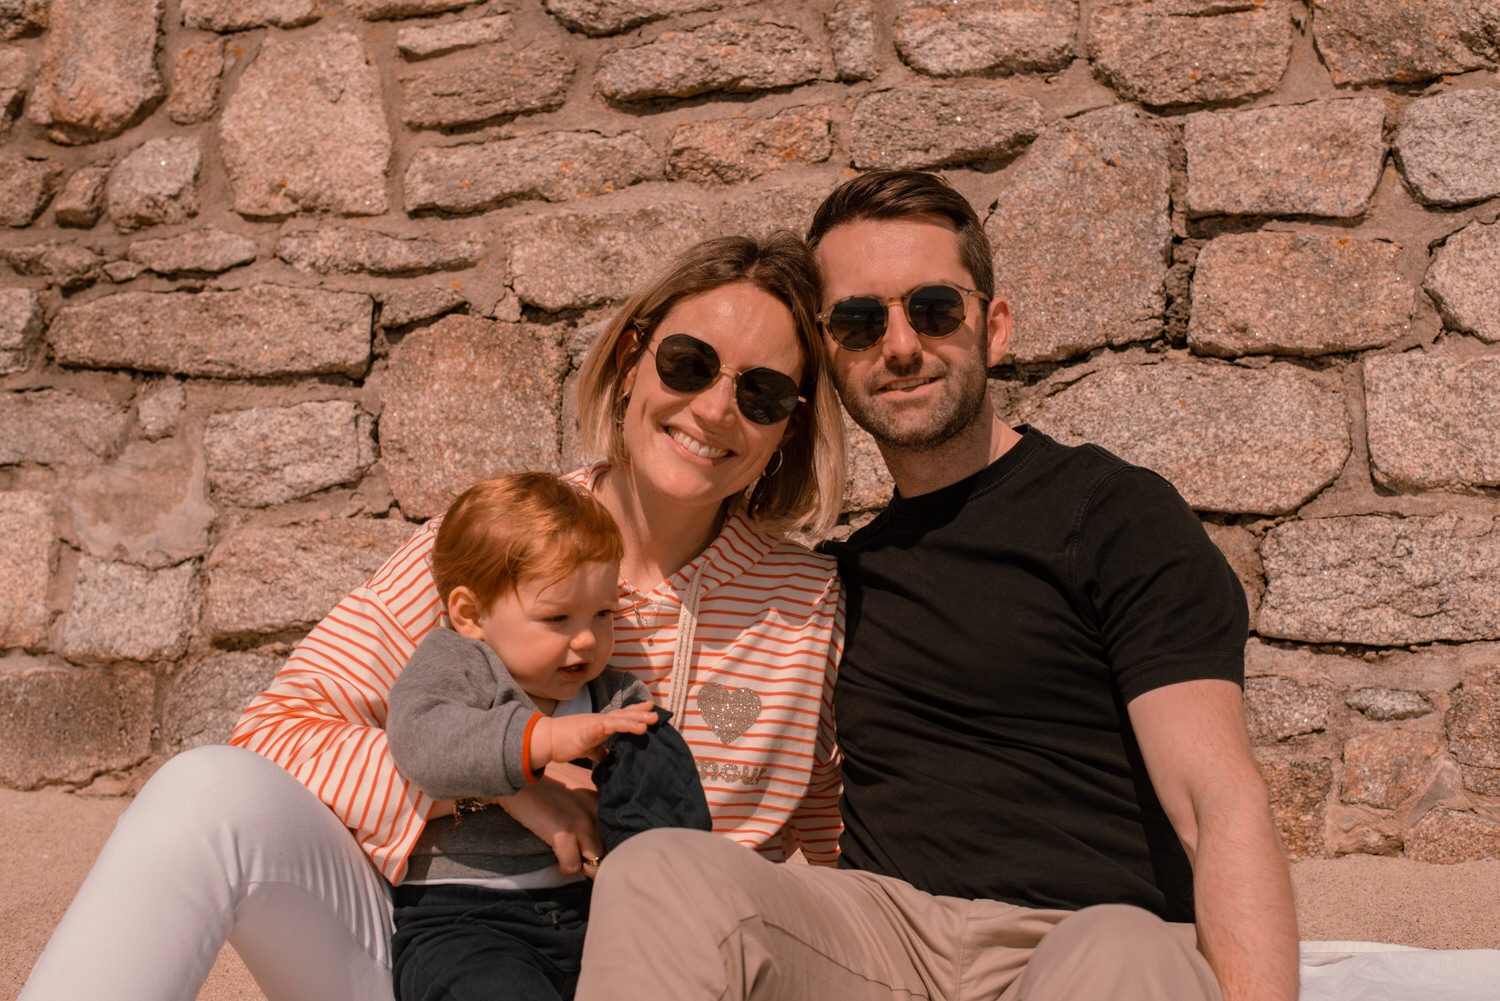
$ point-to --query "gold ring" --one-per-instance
(592, 860)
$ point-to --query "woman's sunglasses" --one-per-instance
(859, 321)
(687, 365)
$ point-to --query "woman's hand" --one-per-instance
(563, 810)
(582, 735)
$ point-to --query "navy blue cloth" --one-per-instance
(649, 780)
(471, 943)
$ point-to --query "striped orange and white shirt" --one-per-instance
(752, 693)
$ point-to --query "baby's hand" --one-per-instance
(582, 735)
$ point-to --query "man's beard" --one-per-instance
(950, 416)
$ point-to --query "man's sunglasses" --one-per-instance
(687, 365)
(859, 321)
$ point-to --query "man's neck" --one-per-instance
(919, 472)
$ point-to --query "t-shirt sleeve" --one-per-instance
(1169, 607)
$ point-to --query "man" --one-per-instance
(1048, 780)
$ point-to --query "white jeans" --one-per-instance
(223, 845)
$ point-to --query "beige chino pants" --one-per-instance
(687, 915)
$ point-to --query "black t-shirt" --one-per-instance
(996, 630)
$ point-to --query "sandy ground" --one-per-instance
(50, 838)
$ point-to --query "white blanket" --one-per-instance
(1373, 971)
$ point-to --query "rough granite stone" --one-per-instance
(733, 56)
(240, 15)
(28, 540)
(574, 260)
(199, 251)
(159, 407)
(1298, 294)
(1319, 159)
(1400, 581)
(194, 96)
(81, 201)
(1461, 280)
(731, 150)
(1402, 41)
(1240, 548)
(1445, 837)
(1175, 52)
(149, 506)
(424, 41)
(1075, 280)
(963, 37)
(262, 330)
(65, 264)
(70, 724)
(349, 249)
(380, 10)
(851, 38)
(924, 127)
(1433, 421)
(1473, 720)
(485, 83)
(408, 306)
(271, 455)
(462, 403)
(1299, 803)
(1386, 704)
(25, 186)
(554, 166)
(55, 427)
(305, 130)
(121, 611)
(760, 208)
(1278, 709)
(1484, 781)
(22, 17)
(205, 700)
(21, 321)
(1237, 440)
(1448, 147)
(1386, 768)
(267, 582)
(14, 70)
(97, 75)
(155, 185)
(610, 17)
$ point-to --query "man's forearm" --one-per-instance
(1247, 923)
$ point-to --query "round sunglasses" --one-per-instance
(859, 321)
(687, 365)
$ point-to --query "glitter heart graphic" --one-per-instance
(729, 711)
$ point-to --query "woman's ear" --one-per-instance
(627, 353)
(800, 419)
(464, 613)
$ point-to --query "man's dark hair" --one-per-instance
(904, 194)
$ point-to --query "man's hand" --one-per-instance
(563, 810)
(582, 735)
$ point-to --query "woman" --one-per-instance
(709, 398)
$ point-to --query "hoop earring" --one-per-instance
(620, 410)
(771, 470)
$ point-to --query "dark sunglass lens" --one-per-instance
(766, 396)
(685, 364)
(857, 323)
(935, 310)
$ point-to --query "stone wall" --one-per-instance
(279, 276)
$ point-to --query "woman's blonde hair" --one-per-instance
(805, 490)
